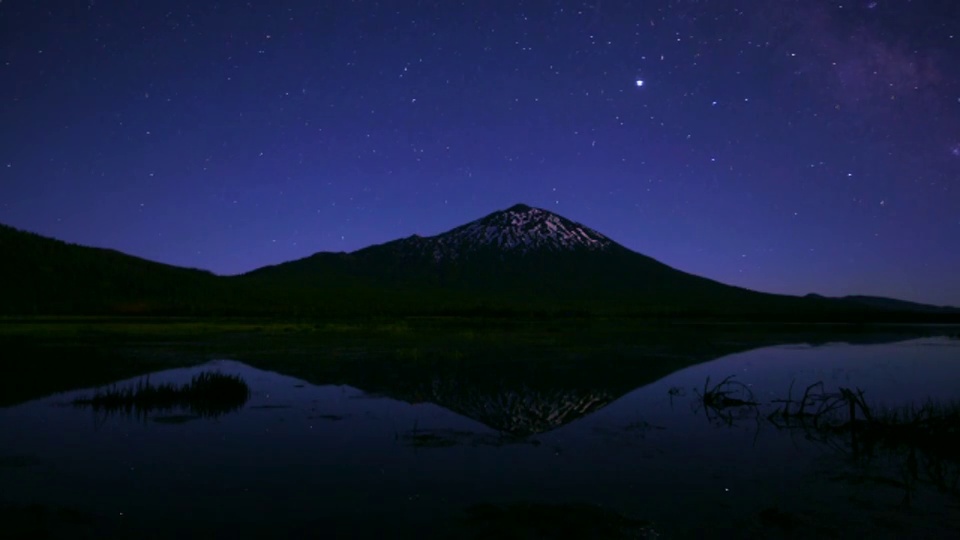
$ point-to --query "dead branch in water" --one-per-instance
(719, 397)
(726, 399)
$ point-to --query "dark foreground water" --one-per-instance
(303, 460)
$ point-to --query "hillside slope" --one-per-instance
(42, 275)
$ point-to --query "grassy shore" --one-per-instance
(44, 355)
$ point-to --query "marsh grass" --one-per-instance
(933, 427)
(934, 424)
(208, 394)
(921, 443)
(916, 443)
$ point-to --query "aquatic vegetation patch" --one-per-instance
(208, 394)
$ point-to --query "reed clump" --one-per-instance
(207, 394)
(924, 439)
(932, 424)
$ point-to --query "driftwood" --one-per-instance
(727, 401)
(720, 396)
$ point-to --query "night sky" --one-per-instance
(787, 146)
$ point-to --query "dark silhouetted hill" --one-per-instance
(41, 275)
(518, 261)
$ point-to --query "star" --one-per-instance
(791, 104)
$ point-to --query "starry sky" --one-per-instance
(788, 146)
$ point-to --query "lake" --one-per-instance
(514, 455)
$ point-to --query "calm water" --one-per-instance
(301, 459)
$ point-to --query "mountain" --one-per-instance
(521, 260)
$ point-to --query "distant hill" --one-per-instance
(40, 275)
(892, 304)
(521, 260)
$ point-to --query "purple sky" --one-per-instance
(786, 146)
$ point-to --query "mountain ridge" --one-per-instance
(527, 258)
(518, 260)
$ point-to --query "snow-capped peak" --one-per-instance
(519, 228)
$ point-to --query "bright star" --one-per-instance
(639, 83)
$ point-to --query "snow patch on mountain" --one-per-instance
(518, 229)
